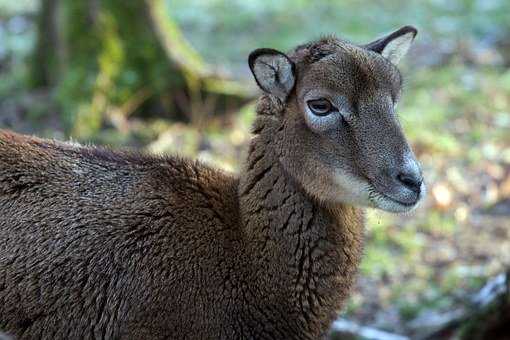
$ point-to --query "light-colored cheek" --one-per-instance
(351, 190)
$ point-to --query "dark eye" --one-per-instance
(320, 107)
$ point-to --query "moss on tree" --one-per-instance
(123, 57)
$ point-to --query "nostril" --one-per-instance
(410, 181)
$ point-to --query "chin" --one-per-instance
(393, 206)
(381, 201)
(359, 192)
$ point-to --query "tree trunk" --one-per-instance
(127, 57)
(45, 71)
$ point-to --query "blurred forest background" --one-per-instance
(171, 77)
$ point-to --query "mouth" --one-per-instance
(385, 202)
(362, 191)
(405, 204)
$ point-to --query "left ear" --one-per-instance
(273, 71)
(395, 45)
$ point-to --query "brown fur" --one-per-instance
(103, 244)
(96, 243)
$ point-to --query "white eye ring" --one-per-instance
(322, 123)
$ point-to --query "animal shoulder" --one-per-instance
(37, 162)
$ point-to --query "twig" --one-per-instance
(352, 328)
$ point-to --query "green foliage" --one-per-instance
(283, 24)
(112, 56)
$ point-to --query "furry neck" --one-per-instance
(305, 253)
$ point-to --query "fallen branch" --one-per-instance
(486, 313)
(4, 336)
(342, 328)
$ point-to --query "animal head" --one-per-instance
(340, 135)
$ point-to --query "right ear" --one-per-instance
(395, 45)
(273, 71)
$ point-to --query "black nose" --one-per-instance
(411, 180)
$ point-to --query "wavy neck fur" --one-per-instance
(305, 254)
